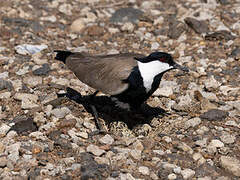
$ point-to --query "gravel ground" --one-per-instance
(45, 135)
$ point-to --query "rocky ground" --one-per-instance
(46, 135)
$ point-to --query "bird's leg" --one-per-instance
(95, 114)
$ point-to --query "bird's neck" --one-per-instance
(151, 70)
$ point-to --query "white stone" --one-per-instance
(95, 150)
(128, 26)
(227, 138)
(4, 75)
(5, 95)
(172, 176)
(60, 112)
(33, 81)
(230, 164)
(66, 9)
(136, 154)
(211, 83)
(155, 46)
(192, 122)
(144, 170)
(78, 25)
(187, 173)
(4, 129)
(28, 49)
(216, 143)
(107, 139)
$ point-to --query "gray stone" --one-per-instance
(13, 151)
(44, 70)
(211, 83)
(5, 85)
(5, 95)
(33, 81)
(216, 143)
(4, 75)
(126, 15)
(198, 26)
(214, 115)
(231, 164)
(136, 154)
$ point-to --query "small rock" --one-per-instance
(236, 53)
(187, 173)
(66, 9)
(144, 170)
(4, 129)
(136, 154)
(24, 126)
(95, 150)
(216, 143)
(5, 95)
(219, 35)
(39, 119)
(3, 162)
(60, 112)
(211, 83)
(13, 152)
(214, 115)
(3, 75)
(126, 15)
(5, 85)
(33, 81)
(128, 26)
(176, 28)
(227, 138)
(230, 164)
(42, 70)
(198, 26)
(172, 176)
(78, 25)
(28, 49)
(138, 145)
(95, 30)
(155, 46)
(167, 139)
(107, 139)
(192, 122)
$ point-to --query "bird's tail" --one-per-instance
(62, 55)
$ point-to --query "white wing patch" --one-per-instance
(150, 70)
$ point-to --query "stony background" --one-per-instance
(43, 136)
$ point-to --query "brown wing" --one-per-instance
(104, 73)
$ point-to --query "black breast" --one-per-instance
(136, 93)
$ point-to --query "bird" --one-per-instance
(129, 78)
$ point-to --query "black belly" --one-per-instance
(136, 93)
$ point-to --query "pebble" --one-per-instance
(136, 154)
(78, 25)
(3, 75)
(126, 15)
(172, 176)
(231, 164)
(13, 151)
(66, 9)
(60, 112)
(227, 138)
(44, 70)
(5, 95)
(214, 115)
(192, 122)
(95, 150)
(187, 173)
(216, 143)
(128, 26)
(198, 26)
(3, 162)
(4, 84)
(144, 170)
(29, 49)
(107, 139)
(154, 46)
(33, 81)
(211, 84)
(4, 129)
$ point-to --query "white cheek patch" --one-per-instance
(150, 70)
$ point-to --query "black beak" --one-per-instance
(183, 68)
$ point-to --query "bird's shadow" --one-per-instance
(109, 112)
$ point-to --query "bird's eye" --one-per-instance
(162, 59)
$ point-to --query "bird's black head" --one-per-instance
(157, 56)
(162, 57)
